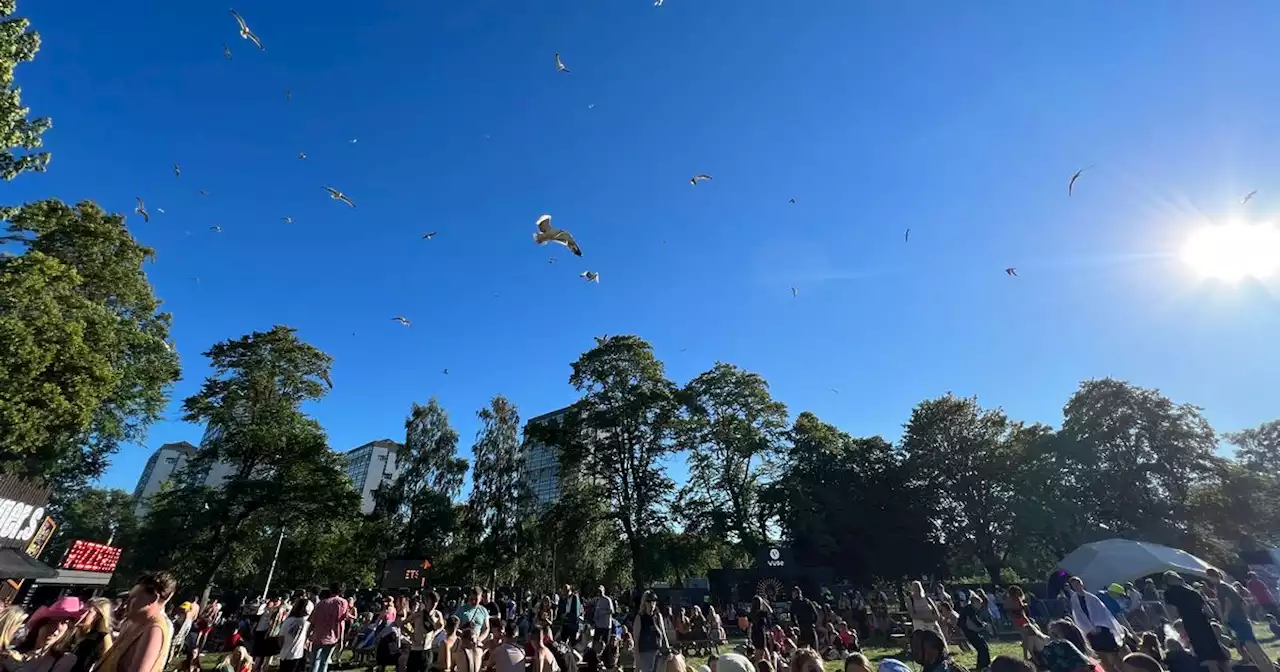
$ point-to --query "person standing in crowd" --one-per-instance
(1237, 618)
(264, 644)
(88, 640)
(184, 619)
(603, 616)
(443, 646)
(207, 620)
(760, 623)
(293, 637)
(473, 615)
(1261, 594)
(1193, 614)
(144, 640)
(924, 615)
(973, 623)
(804, 613)
(328, 623)
(542, 660)
(11, 620)
(650, 634)
(507, 656)
(570, 615)
(1100, 627)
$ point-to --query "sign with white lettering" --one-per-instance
(22, 508)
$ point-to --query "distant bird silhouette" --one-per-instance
(246, 33)
(550, 234)
(446, 372)
(177, 171)
(794, 292)
(215, 228)
(906, 237)
(288, 95)
(203, 192)
(402, 320)
(590, 276)
(226, 52)
(339, 196)
(429, 236)
(1011, 271)
(699, 178)
(792, 201)
(141, 209)
(1071, 184)
(560, 64)
(302, 155)
(1248, 197)
(287, 220)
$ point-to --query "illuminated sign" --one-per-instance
(404, 573)
(86, 556)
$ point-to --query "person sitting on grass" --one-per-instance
(1177, 658)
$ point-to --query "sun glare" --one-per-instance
(1233, 252)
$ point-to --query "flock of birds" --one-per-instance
(545, 232)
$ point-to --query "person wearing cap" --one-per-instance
(1233, 609)
(45, 627)
(144, 643)
(1193, 615)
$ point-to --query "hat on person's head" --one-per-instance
(66, 608)
(1115, 589)
(892, 665)
(1172, 576)
(734, 662)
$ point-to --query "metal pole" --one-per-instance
(271, 572)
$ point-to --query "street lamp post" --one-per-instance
(271, 572)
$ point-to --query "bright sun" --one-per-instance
(1233, 252)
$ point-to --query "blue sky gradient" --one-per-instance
(960, 121)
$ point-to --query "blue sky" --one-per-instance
(960, 121)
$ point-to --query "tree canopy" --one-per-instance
(18, 45)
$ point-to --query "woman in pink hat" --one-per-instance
(44, 628)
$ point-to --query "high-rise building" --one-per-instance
(371, 465)
(161, 466)
(542, 463)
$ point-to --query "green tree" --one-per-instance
(973, 460)
(733, 429)
(500, 498)
(281, 473)
(838, 493)
(417, 506)
(67, 400)
(1258, 448)
(1135, 457)
(617, 436)
(17, 45)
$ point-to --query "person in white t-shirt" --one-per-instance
(603, 616)
(293, 637)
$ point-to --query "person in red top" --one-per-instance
(1262, 594)
(328, 621)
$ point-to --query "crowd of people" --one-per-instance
(1184, 628)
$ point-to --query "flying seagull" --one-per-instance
(203, 192)
(698, 178)
(287, 220)
(177, 170)
(246, 33)
(657, 3)
(551, 260)
(339, 196)
(590, 276)
(550, 234)
(794, 292)
(446, 372)
(835, 390)
(560, 64)
(792, 201)
(1248, 197)
(215, 228)
(1071, 184)
(592, 106)
(401, 319)
(160, 210)
(429, 236)
(906, 237)
(226, 52)
(1011, 271)
(142, 210)
(288, 95)
(355, 140)
(302, 155)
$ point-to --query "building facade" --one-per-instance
(161, 466)
(542, 463)
(371, 465)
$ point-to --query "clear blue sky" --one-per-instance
(961, 121)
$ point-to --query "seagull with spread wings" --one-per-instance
(1011, 271)
(226, 52)
(339, 196)
(215, 228)
(590, 276)
(699, 178)
(302, 156)
(906, 237)
(246, 33)
(792, 201)
(287, 220)
(429, 235)
(560, 64)
(1248, 197)
(1072, 183)
(177, 170)
(794, 292)
(550, 234)
(401, 319)
(141, 209)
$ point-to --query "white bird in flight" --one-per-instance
(287, 220)
(177, 171)
(246, 33)
(590, 276)
(560, 64)
(550, 234)
(1248, 197)
(339, 196)
(215, 228)
(142, 210)
(699, 178)
(160, 210)
(355, 140)
(429, 235)
(794, 292)
(401, 319)
(302, 155)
